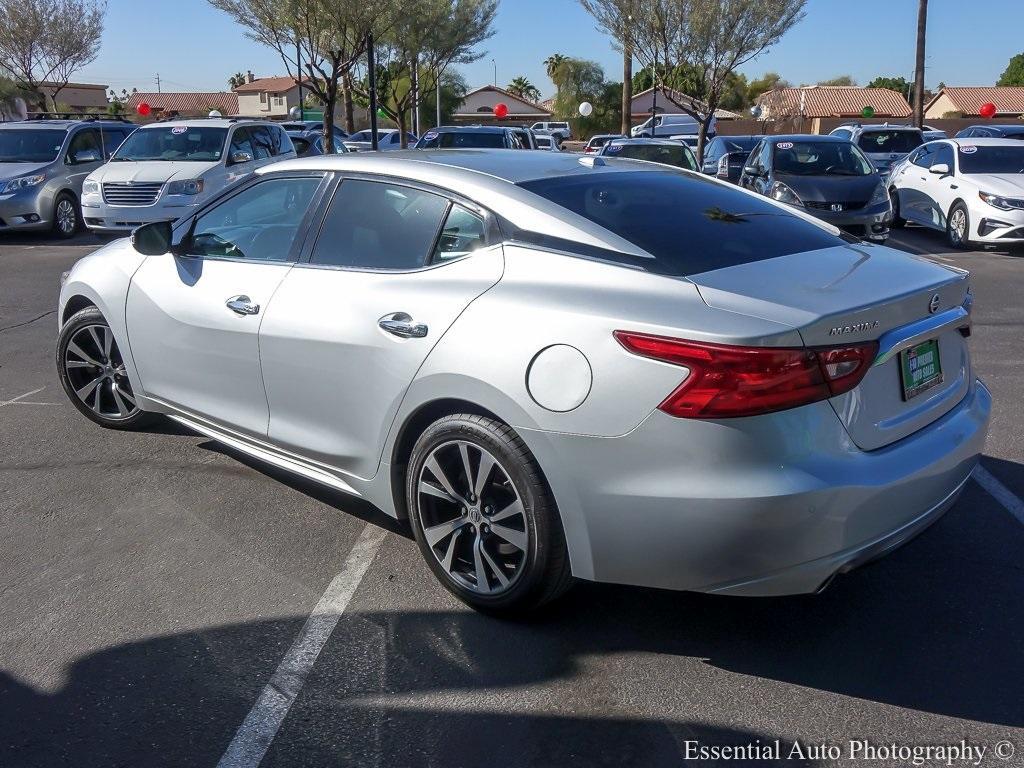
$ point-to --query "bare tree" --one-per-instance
(47, 41)
(711, 38)
(616, 17)
(328, 36)
(428, 37)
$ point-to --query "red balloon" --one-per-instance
(988, 109)
(143, 109)
(500, 110)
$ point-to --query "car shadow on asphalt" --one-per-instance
(935, 627)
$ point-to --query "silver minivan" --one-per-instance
(42, 166)
(885, 145)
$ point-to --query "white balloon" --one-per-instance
(586, 108)
(294, 113)
(214, 113)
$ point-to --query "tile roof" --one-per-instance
(226, 103)
(268, 85)
(1009, 99)
(835, 101)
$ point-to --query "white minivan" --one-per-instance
(164, 171)
(667, 126)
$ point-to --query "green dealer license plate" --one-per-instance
(920, 368)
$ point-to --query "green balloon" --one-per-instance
(382, 113)
(867, 112)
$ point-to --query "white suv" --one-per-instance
(166, 170)
(561, 131)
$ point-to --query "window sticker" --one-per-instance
(430, 135)
(968, 149)
(614, 149)
(784, 145)
(179, 129)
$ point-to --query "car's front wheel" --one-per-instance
(65, 216)
(93, 374)
(483, 516)
(897, 220)
(958, 227)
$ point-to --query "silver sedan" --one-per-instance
(552, 366)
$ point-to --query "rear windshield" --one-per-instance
(820, 158)
(677, 155)
(981, 159)
(739, 145)
(458, 140)
(179, 142)
(890, 141)
(599, 141)
(30, 145)
(688, 223)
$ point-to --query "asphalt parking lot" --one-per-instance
(152, 583)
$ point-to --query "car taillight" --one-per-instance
(726, 381)
(723, 167)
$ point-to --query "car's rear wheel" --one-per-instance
(958, 227)
(483, 516)
(65, 216)
(897, 220)
(92, 372)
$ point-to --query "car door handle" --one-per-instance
(243, 305)
(402, 325)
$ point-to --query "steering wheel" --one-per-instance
(228, 248)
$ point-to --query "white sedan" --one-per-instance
(972, 189)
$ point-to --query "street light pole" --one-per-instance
(298, 66)
(495, 65)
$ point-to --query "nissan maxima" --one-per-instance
(552, 366)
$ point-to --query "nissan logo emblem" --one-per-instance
(933, 305)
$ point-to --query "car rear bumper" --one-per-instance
(768, 505)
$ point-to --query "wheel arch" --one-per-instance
(412, 427)
(75, 304)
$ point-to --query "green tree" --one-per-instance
(1014, 72)
(898, 84)
(524, 89)
(579, 80)
(236, 80)
(552, 62)
(841, 80)
(769, 81)
(615, 17)
(712, 39)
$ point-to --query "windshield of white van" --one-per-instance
(31, 145)
(173, 143)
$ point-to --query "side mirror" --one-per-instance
(85, 156)
(153, 239)
(240, 157)
(939, 168)
(751, 170)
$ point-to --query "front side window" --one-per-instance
(259, 223)
(463, 233)
(944, 154)
(923, 157)
(173, 143)
(85, 144)
(377, 225)
(262, 143)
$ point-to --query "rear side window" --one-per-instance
(688, 224)
(375, 225)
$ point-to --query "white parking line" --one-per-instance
(1000, 493)
(257, 732)
(20, 398)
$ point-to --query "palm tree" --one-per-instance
(553, 62)
(236, 80)
(524, 89)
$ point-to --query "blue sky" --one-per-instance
(195, 47)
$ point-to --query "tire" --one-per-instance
(898, 222)
(956, 238)
(92, 372)
(517, 568)
(67, 219)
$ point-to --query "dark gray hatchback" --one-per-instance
(828, 176)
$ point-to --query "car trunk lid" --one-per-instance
(857, 293)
